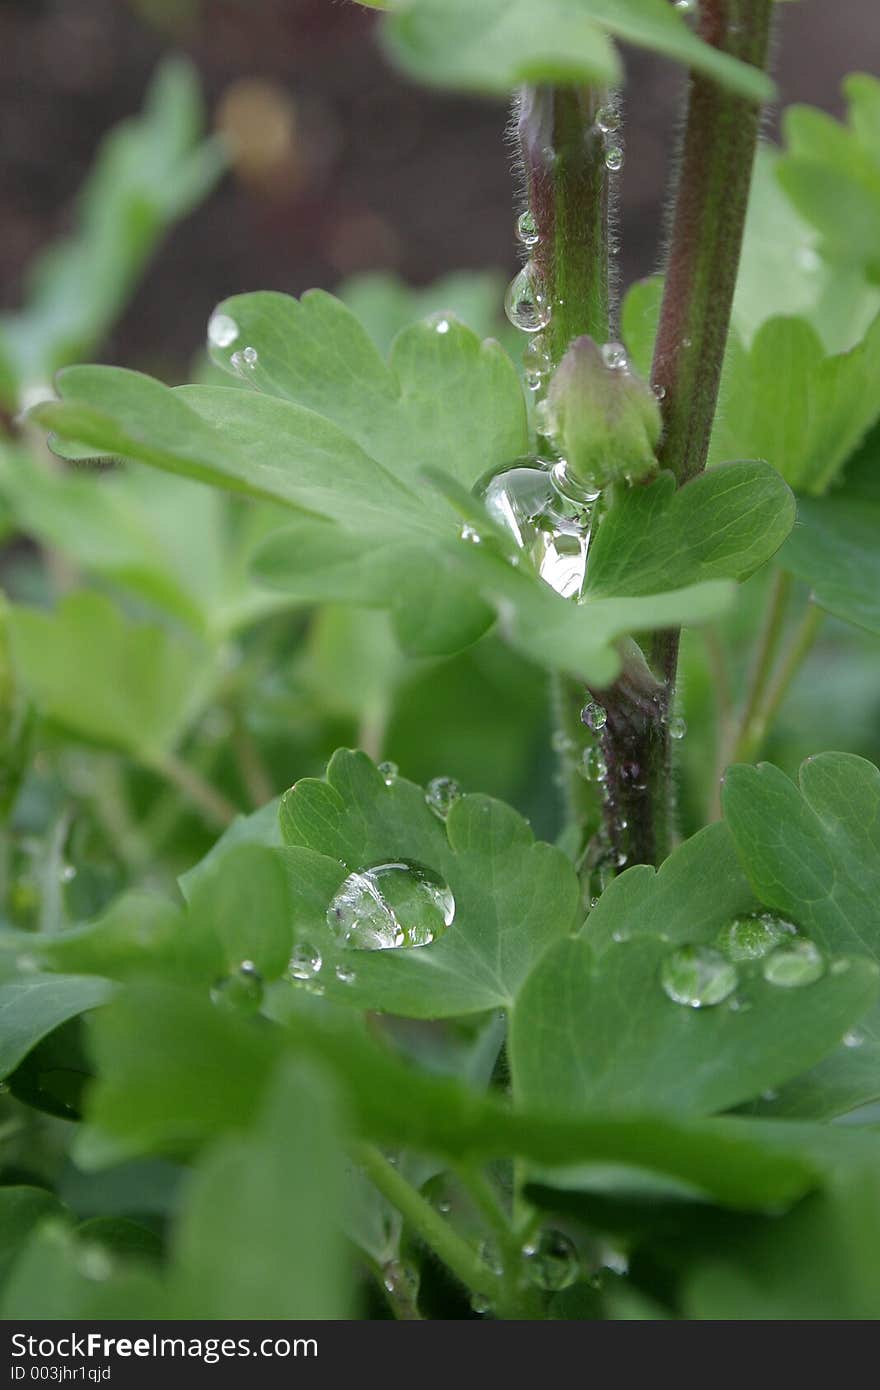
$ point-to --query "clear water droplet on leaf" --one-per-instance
(222, 330)
(241, 989)
(551, 533)
(698, 977)
(795, 965)
(305, 962)
(389, 906)
(389, 773)
(752, 938)
(441, 795)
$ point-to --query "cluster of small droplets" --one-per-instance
(700, 976)
(244, 361)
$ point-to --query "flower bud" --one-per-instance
(605, 418)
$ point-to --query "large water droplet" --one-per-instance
(752, 938)
(241, 989)
(388, 772)
(554, 535)
(441, 795)
(595, 716)
(794, 965)
(853, 1038)
(551, 1261)
(527, 229)
(580, 494)
(525, 303)
(389, 906)
(222, 330)
(614, 356)
(593, 767)
(698, 977)
(607, 119)
(614, 158)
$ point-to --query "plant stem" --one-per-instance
(754, 732)
(251, 767)
(215, 807)
(720, 139)
(436, 1232)
(563, 154)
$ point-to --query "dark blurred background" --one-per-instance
(342, 165)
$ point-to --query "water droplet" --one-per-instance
(794, 965)
(241, 989)
(698, 976)
(553, 534)
(245, 361)
(615, 357)
(570, 490)
(388, 772)
(305, 962)
(551, 1261)
(251, 356)
(441, 326)
(27, 964)
(686, 6)
(751, 938)
(441, 795)
(481, 1303)
(470, 534)
(595, 716)
(399, 904)
(659, 392)
(621, 934)
(546, 423)
(769, 1095)
(443, 1205)
(222, 330)
(345, 975)
(677, 728)
(400, 1279)
(525, 303)
(68, 873)
(840, 967)
(593, 767)
(853, 1039)
(527, 229)
(608, 119)
(614, 158)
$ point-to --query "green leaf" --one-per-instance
(773, 1275)
(598, 1032)
(182, 547)
(258, 1236)
(385, 304)
(21, 1209)
(243, 899)
(33, 1006)
(146, 1102)
(834, 545)
(831, 173)
(63, 1276)
(513, 896)
(812, 853)
(129, 685)
(786, 402)
(149, 173)
(352, 442)
(723, 524)
(494, 46)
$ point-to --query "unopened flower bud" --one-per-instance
(606, 419)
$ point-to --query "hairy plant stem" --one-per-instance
(566, 181)
(720, 139)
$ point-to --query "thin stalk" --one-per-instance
(251, 766)
(798, 649)
(720, 139)
(436, 1232)
(567, 191)
(216, 808)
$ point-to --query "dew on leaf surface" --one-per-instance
(555, 537)
(391, 905)
(241, 989)
(222, 330)
(441, 795)
(698, 977)
(389, 772)
(551, 1261)
(752, 938)
(794, 965)
(305, 962)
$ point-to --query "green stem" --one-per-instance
(216, 808)
(798, 649)
(436, 1232)
(567, 189)
(720, 139)
(762, 666)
